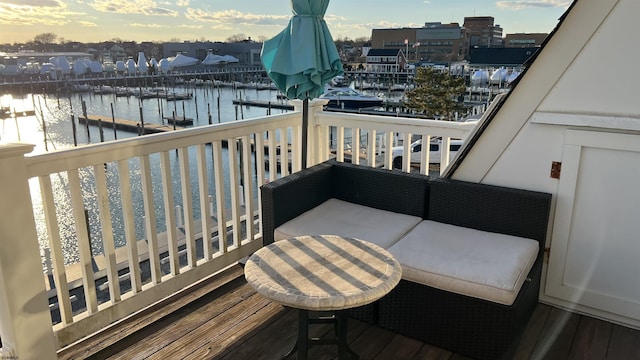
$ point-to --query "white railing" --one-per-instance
(369, 137)
(105, 214)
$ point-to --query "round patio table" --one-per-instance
(323, 273)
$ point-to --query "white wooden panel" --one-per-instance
(594, 253)
(603, 78)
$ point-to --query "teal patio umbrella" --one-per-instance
(302, 58)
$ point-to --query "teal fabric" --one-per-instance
(303, 57)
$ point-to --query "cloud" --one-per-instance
(183, 3)
(149, 26)
(38, 3)
(234, 16)
(146, 7)
(87, 23)
(27, 13)
(523, 4)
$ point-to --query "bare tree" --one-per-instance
(45, 38)
(236, 38)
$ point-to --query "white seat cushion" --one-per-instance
(466, 261)
(337, 217)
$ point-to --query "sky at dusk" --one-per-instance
(217, 20)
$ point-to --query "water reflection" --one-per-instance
(58, 131)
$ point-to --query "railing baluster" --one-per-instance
(388, 154)
(187, 205)
(150, 220)
(340, 143)
(218, 173)
(169, 213)
(235, 193)
(296, 148)
(248, 187)
(425, 155)
(355, 147)
(284, 152)
(55, 244)
(129, 226)
(108, 244)
(203, 186)
(371, 149)
(84, 246)
(273, 160)
(445, 146)
(406, 152)
(260, 176)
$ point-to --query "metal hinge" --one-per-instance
(556, 167)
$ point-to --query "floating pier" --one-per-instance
(178, 120)
(126, 125)
(263, 103)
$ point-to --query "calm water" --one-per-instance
(58, 131)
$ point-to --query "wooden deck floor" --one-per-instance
(224, 318)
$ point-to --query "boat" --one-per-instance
(182, 60)
(480, 77)
(142, 64)
(339, 81)
(499, 76)
(348, 98)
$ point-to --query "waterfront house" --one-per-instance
(386, 60)
(569, 127)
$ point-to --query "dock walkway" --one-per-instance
(126, 125)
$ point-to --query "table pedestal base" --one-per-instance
(303, 342)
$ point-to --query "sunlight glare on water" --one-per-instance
(58, 112)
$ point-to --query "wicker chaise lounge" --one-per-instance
(443, 298)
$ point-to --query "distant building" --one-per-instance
(523, 40)
(432, 42)
(441, 42)
(385, 60)
(496, 57)
(483, 32)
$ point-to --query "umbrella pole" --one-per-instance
(305, 131)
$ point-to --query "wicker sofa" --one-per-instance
(447, 316)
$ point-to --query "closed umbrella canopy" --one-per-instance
(303, 57)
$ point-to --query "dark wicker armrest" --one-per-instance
(491, 208)
(292, 195)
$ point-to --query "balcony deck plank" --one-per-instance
(224, 319)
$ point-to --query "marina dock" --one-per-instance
(264, 104)
(126, 125)
(178, 120)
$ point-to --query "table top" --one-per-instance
(325, 272)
